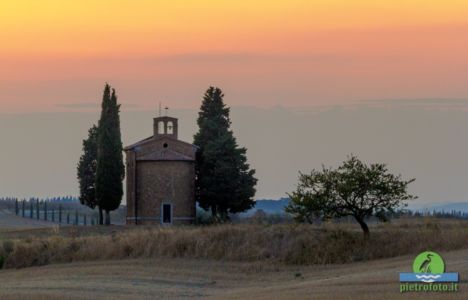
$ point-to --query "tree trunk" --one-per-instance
(107, 218)
(213, 211)
(224, 216)
(101, 222)
(364, 227)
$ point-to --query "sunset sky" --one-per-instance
(309, 82)
(56, 55)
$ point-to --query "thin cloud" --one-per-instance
(423, 101)
(90, 105)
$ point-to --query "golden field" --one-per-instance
(233, 261)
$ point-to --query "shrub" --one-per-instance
(284, 243)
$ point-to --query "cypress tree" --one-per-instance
(87, 171)
(31, 208)
(37, 208)
(224, 181)
(110, 168)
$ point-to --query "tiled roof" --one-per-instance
(165, 154)
(150, 139)
(138, 143)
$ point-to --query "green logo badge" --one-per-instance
(428, 275)
(429, 262)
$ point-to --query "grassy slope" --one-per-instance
(188, 278)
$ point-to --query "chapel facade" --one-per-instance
(161, 177)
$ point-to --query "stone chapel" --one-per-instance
(161, 177)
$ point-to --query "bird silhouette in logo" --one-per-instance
(426, 264)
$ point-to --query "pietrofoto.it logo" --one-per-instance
(428, 275)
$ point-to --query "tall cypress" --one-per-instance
(110, 168)
(224, 181)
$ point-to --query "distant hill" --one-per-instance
(269, 206)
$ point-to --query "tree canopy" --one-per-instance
(87, 169)
(353, 189)
(110, 167)
(224, 181)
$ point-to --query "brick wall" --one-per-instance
(160, 182)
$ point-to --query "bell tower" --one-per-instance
(165, 127)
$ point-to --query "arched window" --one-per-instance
(161, 127)
(170, 127)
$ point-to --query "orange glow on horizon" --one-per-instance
(342, 45)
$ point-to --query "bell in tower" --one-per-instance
(165, 127)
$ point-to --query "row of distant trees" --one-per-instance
(262, 217)
(64, 199)
(224, 183)
(453, 214)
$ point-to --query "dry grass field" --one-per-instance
(282, 243)
(286, 261)
(207, 279)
